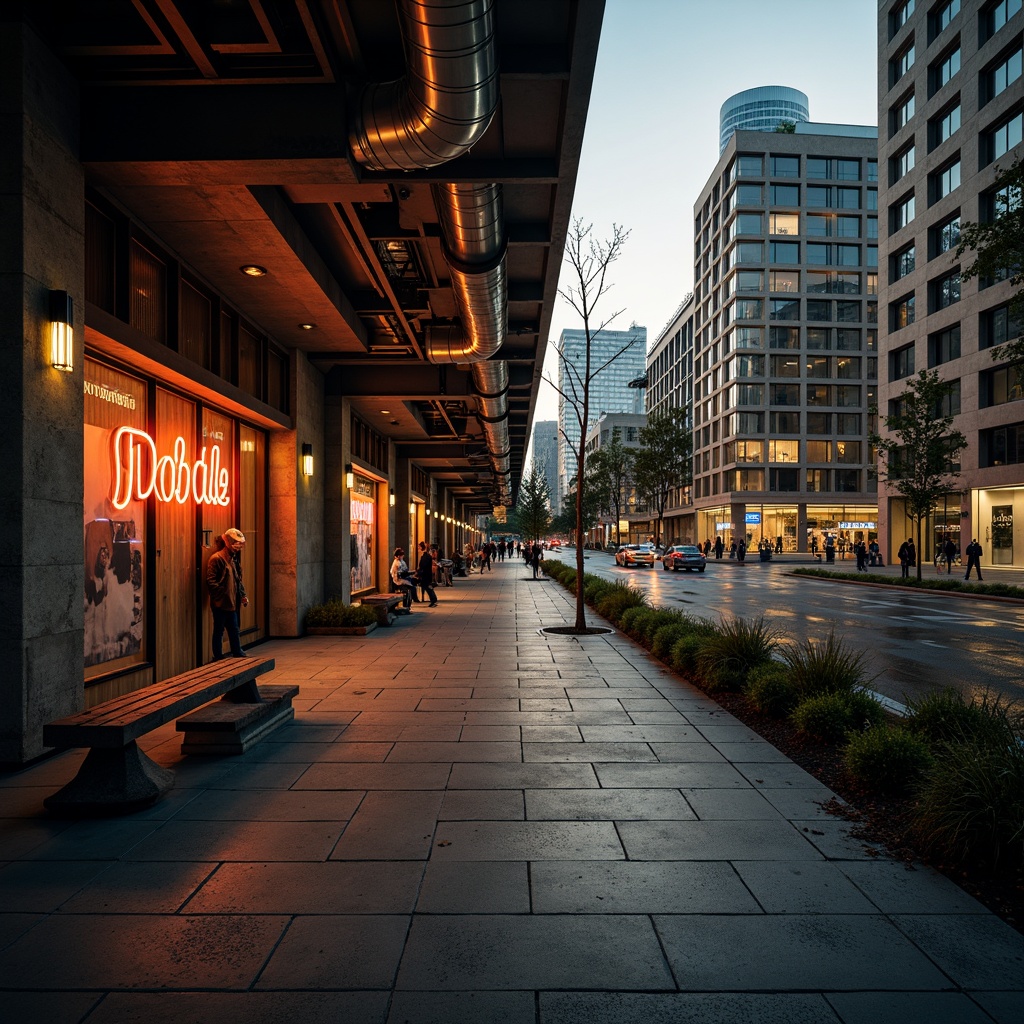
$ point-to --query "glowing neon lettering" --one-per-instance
(170, 477)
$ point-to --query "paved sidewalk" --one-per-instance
(470, 822)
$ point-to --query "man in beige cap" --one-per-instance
(227, 595)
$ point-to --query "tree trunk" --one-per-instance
(920, 550)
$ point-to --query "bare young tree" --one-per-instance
(588, 261)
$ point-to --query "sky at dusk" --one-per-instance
(664, 68)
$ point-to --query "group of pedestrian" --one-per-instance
(407, 582)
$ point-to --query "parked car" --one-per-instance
(634, 554)
(684, 556)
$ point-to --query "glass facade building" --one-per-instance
(760, 109)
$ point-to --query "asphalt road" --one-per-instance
(914, 642)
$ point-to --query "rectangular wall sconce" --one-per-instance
(391, 497)
(350, 477)
(307, 460)
(412, 508)
(62, 347)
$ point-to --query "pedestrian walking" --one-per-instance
(535, 559)
(949, 553)
(719, 547)
(861, 551)
(973, 553)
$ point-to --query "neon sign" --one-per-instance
(169, 477)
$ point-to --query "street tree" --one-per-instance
(612, 474)
(917, 456)
(998, 245)
(531, 516)
(664, 460)
(588, 261)
(565, 521)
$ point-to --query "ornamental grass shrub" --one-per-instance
(594, 588)
(737, 646)
(659, 617)
(828, 666)
(683, 657)
(771, 689)
(947, 716)
(617, 599)
(334, 612)
(830, 716)
(665, 638)
(971, 803)
(631, 616)
(887, 759)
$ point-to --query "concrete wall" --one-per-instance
(297, 505)
(42, 230)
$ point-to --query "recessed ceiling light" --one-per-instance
(253, 270)
(385, 412)
(307, 327)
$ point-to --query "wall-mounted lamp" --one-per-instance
(62, 348)
(391, 497)
(435, 515)
(307, 460)
(350, 477)
(412, 508)
(426, 512)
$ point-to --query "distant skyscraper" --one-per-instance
(545, 454)
(609, 390)
(760, 110)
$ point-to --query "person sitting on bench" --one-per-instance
(405, 584)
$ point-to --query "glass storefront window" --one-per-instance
(114, 526)
(362, 518)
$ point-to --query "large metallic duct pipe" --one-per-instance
(446, 99)
(435, 113)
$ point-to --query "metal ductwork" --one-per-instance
(434, 114)
(443, 104)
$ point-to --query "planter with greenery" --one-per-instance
(335, 618)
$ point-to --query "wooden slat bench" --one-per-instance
(388, 607)
(116, 776)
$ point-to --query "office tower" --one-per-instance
(785, 337)
(545, 454)
(760, 109)
(670, 386)
(950, 107)
(609, 390)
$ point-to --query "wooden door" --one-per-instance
(175, 549)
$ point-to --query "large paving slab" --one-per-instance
(471, 822)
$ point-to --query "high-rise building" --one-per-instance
(785, 338)
(951, 106)
(622, 354)
(544, 451)
(760, 109)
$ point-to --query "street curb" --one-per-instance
(911, 590)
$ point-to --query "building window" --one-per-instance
(818, 367)
(901, 213)
(819, 423)
(945, 68)
(872, 174)
(903, 262)
(819, 338)
(783, 252)
(745, 480)
(818, 254)
(848, 339)
(819, 196)
(944, 125)
(847, 312)
(944, 237)
(819, 310)
(785, 166)
(996, 15)
(1001, 446)
(783, 224)
(1000, 140)
(945, 291)
(785, 422)
(819, 394)
(847, 170)
(847, 255)
(901, 63)
(749, 252)
(784, 394)
(1001, 76)
(1000, 386)
(872, 228)
(996, 327)
(785, 366)
(749, 166)
(901, 164)
(848, 368)
(944, 181)
(941, 16)
(783, 337)
(784, 195)
(901, 362)
(819, 451)
(784, 309)
(899, 15)
(847, 481)
(901, 113)
(784, 281)
(848, 424)
(944, 346)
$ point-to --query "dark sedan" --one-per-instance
(684, 556)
